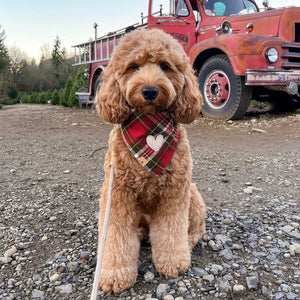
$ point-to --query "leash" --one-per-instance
(101, 244)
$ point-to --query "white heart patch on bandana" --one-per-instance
(155, 143)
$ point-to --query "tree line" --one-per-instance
(53, 79)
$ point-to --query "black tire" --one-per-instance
(97, 85)
(225, 95)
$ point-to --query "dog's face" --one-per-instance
(151, 81)
(149, 72)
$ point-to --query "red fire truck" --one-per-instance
(237, 50)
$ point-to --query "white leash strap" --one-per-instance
(101, 244)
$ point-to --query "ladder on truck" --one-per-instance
(100, 50)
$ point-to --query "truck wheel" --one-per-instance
(97, 85)
(225, 95)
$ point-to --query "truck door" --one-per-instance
(175, 17)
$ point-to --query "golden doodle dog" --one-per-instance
(149, 88)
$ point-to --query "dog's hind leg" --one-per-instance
(197, 213)
(120, 261)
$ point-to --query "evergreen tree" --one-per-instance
(61, 97)
(67, 90)
(79, 82)
(57, 55)
(55, 98)
(4, 57)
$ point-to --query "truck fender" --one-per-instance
(245, 51)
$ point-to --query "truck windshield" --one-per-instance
(229, 7)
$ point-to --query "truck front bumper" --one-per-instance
(272, 77)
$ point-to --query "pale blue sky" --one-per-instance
(30, 24)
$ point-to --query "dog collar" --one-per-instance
(152, 139)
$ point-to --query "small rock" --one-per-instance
(252, 283)
(54, 277)
(64, 288)
(266, 291)
(227, 254)
(223, 286)
(168, 297)
(72, 266)
(38, 294)
(249, 190)
(11, 281)
(209, 278)
(149, 276)
(10, 252)
(238, 288)
(285, 288)
(292, 296)
(222, 238)
(161, 290)
(44, 237)
(278, 296)
(182, 290)
(199, 272)
(85, 254)
(294, 249)
(5, 260)
(290, 231)
(226, 221)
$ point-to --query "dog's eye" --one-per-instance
(134, 67)
(164, 67)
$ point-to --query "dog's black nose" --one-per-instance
(150, 92)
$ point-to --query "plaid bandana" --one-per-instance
(152, 139)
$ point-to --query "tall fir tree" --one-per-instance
(4, 57)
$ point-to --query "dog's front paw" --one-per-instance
(117, 280)
(172, 266)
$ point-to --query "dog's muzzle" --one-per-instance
(150, 93)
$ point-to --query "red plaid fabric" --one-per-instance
(152, 139)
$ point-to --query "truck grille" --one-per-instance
(292, 53)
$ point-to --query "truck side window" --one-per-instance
(169, 8)
(181, 8)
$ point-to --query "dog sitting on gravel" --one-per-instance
(149, 88)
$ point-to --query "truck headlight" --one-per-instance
(271, 55)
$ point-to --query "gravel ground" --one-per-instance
(50, 173)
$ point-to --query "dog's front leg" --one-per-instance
(169, 237)
(119, 267)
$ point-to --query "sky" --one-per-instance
(32, 24)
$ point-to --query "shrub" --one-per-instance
(55, 98)
(79, 82)
(25, 98)
(13, 94)
(62, 100)
(8, 101)
(1, 106)
(48, 95)
(34, 98)
(67, 90)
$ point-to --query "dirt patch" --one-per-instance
(247, 171)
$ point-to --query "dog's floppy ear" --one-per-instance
(186, 107)
(112, 105)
